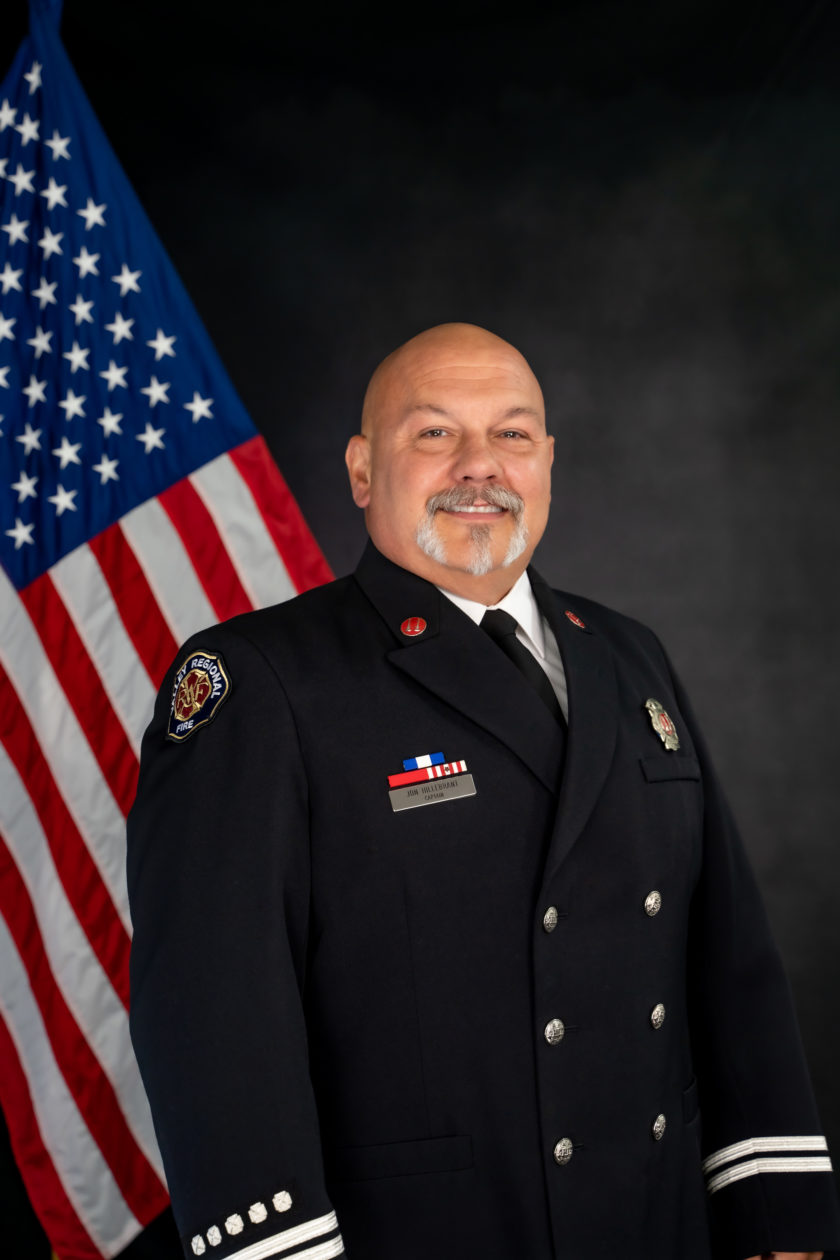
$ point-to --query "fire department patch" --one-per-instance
(663, 725)
(200, 686)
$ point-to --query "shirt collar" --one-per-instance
(519, 602)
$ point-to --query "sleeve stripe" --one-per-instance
(760, 1146)
(292, 1237)
(752, 1167)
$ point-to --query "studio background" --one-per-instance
(642, 197)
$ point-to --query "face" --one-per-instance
(453, 469)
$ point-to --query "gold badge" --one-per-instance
(663, 725)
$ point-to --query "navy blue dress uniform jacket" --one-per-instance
(542, 1021)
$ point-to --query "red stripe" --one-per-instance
(135, 601)
(92, 1091)
(79, 875)
(203, 544)
(408, 776)
(67, 1235)
(83, 687)
(283, 519)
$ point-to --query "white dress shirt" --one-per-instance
(532, 630)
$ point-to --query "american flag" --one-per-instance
(137, 504)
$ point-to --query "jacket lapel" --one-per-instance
(593, 718)
(456, 661)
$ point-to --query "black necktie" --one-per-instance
(501, 627)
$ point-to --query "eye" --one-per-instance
(513, 434)
(433, 433)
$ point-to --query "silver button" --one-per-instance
(563, 1151)
(555, 1031)
(657, 1015)
(550, 919)
(653, 903)
(657, 1129)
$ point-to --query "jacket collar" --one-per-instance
(453, 658)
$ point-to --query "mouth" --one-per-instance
(475, 509)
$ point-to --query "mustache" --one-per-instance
(466, 496)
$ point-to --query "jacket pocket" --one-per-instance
(690, 1102)
(668, 766)
(401, 1159)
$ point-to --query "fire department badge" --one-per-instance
(200, 686)
(663, 725)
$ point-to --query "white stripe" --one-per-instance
(762, 1145)
(237, 518)
(87, 597)
(78, 1161)
(65, 745)
(168, 569)
(751, 1167)
(321, 1251)
(291, 1238)
(86, 988)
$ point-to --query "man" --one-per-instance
(435, 956)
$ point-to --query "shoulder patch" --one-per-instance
(200, 687)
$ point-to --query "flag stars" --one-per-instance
(110, 423)
(120, 329)
(151, 438)
(162, 345)
(6, 326)
(22, 180)
(25, 486)
(45, 293)
(200, 407)
(7, 115)
(107, 469)
(63, 500)
(10, 279)
(4, 377)
(87, 263)
(67, 452)
(58, 146)
(40, 343)
(30, 439)
(157, 391)
(114, 376)
(17, 229)
(50, 243)
(81, 310)
(28, 129)
(35, 391)
(54, 194)
(93, 215)
(33, 77)
(127, 280)
(72, 405)
(21, 533)
(78, 358)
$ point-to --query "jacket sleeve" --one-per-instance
(218, 874)
(768, 1174)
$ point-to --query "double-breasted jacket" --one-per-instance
(538, 1017)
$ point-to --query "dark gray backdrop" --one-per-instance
(644, 198)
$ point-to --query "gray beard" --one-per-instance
(480, 561)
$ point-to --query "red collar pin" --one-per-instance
(412, 626)
(575, 620)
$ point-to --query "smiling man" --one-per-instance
(445, 941)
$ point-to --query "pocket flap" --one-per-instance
(401, 1159)
(669, 766)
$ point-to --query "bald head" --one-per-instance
(463, 349)
(452, 466)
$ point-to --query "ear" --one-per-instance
(357, 458)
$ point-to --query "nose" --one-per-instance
(475, 460)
